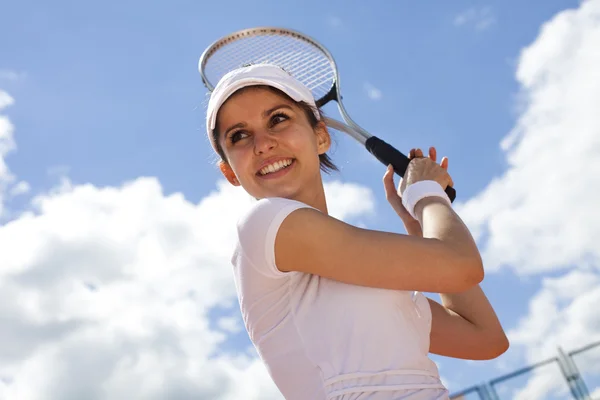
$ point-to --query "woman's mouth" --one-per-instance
(275, 169)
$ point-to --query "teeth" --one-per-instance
(276, 166)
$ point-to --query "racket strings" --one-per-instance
(324, 73)
(311, 66)
(301, 59)
(292, 54)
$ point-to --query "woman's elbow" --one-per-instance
(496, 347)
(472, 273)
(476, 272)
(504, 344)
(492, 343)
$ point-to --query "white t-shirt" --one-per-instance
(326, 340)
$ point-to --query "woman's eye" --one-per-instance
(237, 136)
(278, 118)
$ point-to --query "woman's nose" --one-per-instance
(264, 142)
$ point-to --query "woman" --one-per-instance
(335, 311)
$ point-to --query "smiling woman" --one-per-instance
(255, 110)
(336, 312)
(312, 114)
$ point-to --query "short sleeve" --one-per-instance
(257, 231)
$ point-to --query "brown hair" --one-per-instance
(326, 163)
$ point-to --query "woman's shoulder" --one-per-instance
(267, 211)
(257, 229)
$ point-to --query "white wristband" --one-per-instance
(419, 190)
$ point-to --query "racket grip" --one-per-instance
(387, 154)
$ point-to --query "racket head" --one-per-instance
(303, 57)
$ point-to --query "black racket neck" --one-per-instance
(331, 95)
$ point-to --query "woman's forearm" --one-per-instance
(439, 221)
(413, 228)
(471, 305)
(474, 307)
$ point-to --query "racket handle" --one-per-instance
(388, 154)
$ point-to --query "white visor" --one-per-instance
(259, 74)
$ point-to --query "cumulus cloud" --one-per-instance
(562, 314)
(112, 287)
(542, 213)
(7, 145)
(5, 100)
(349, 200)
(107, 293)
(541, 216)
(480, 18)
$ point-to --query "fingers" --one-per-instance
(444, 163)
(388, 182)
(433, 153)
(417, 153)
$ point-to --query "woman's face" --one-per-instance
(270, 147)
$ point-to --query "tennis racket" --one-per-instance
(310, 63)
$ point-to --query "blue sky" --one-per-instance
(109, 93)
(126, 75)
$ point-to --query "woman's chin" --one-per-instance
(284, 191)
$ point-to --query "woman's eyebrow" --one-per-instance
(266, 113)
(238, 125)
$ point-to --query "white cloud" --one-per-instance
(5, 100)
(19, 188)
(7, 145)
(480, 18)
(232, 324)
(112, 287)
(106, 293)
(542, 213)
(563, 314)
(349, 200)
(373, 92)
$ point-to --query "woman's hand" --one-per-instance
(420, 168)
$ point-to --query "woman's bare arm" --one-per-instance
(466, 326)
(446, 261)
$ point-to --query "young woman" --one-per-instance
(336, 311)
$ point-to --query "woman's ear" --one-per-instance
(228, 173)
(323, 138)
